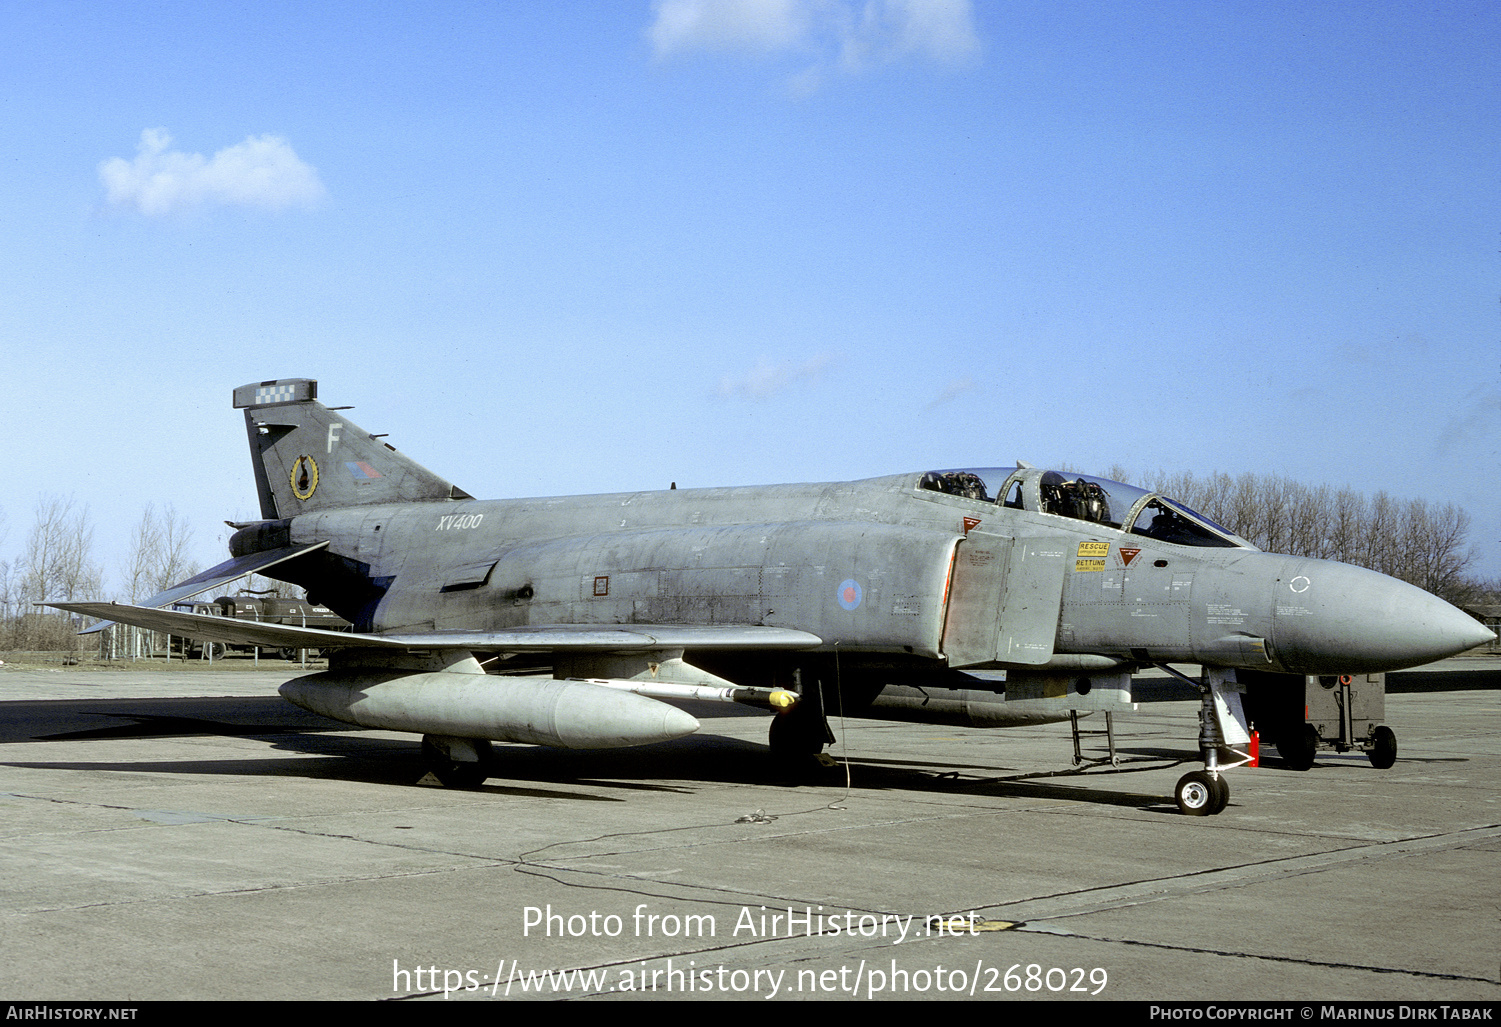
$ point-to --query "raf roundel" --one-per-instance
(849, 593)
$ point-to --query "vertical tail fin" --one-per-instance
(308, 457)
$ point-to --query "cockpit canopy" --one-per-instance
(1084, 497)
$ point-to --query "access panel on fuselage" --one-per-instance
(1004, 597)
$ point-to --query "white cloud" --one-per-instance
(942, 31)
(766, 379)
(1470, 421)
(846, 34)
(747, 25)
(954, 389)
(263, 171)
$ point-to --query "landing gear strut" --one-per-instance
(1206, 793)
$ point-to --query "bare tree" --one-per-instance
(174, 564)
(1347, 525)
(59, 559)
(8, 584)
(158, 553)
(58, 563)
(1413, 541)
(145, 541)
(1377, 551)
(1433, 550)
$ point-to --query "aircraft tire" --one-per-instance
(462, 776)
(795, 735)
(1383, 750)
(1221, 795)
(1197, 794)
(452, 773)
(1298, 746)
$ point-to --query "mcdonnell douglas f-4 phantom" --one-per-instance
(895, 596)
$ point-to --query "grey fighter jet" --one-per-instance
(568, 621)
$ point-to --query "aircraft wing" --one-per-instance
(229, 570)
(544, 638)
(612, 638)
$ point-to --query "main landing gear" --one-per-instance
(456, 762)
(800, 732)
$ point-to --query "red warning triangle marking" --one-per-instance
(1127, 555)
(970, 522)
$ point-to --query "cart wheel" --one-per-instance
(1299, 746)
(1383, 750)
(1196, 794)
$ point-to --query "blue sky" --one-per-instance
(589, 247)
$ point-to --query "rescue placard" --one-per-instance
(1100, 549)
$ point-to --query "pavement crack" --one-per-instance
(1116, 896)
(1260, 956)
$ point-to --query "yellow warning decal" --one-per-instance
(968, 924)
(1089, 565)
(1094, 549)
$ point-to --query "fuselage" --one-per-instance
(902, 570)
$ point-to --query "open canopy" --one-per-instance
(1086, 498)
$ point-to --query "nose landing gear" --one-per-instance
(1222, 725)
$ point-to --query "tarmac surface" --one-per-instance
(186, 834)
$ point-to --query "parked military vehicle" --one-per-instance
(296, 612)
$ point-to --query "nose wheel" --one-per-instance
(1201, 794)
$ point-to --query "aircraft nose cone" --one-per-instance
(1334, 618)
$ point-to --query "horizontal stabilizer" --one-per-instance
(547, 638)
(229, 570)
(229, 630)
